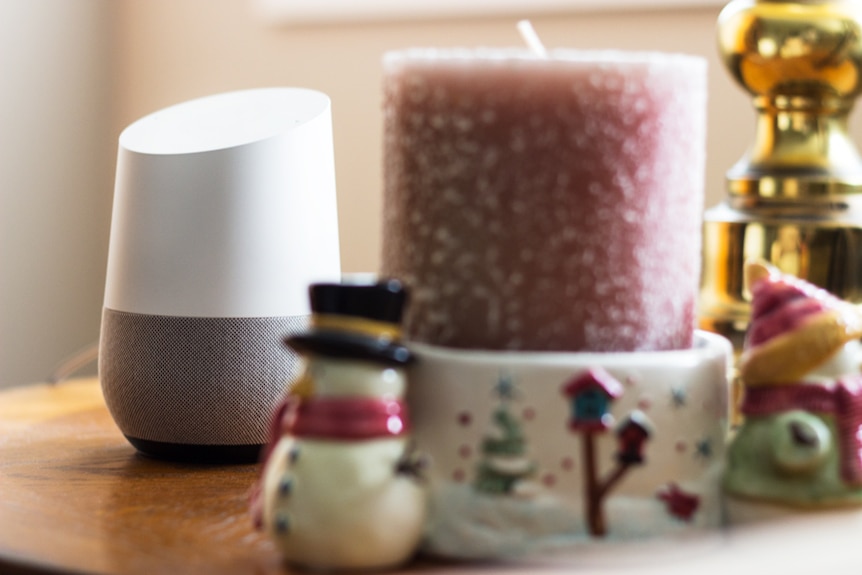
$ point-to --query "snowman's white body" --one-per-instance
(332, 503)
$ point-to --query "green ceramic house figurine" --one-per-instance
(799, 444)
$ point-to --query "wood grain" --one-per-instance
(75, 497)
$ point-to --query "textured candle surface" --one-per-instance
(545, 204)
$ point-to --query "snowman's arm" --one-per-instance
(281, 423)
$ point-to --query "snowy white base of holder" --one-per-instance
(518, 439)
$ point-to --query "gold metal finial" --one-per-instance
(802, 62)
(795, 198)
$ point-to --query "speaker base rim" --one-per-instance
(190, 453)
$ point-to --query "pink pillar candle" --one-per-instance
(545, 203)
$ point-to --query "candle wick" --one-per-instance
(528, 33)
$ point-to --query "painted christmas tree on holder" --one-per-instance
(504, 452)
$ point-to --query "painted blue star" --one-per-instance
(678, 397)
(703, 448)
(505, 388)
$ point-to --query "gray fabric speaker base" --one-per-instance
(213, 454)
(196, 388)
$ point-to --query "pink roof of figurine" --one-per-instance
(595, 376)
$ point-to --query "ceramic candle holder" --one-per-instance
(538, 450)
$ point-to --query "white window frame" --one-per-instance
(318, 11)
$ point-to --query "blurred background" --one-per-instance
(74, 73)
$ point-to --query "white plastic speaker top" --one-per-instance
(225, 206)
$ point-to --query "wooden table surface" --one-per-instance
(75, 497)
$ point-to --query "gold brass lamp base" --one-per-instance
(795, 198)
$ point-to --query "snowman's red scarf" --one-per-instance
(843, 400)
(350, 418)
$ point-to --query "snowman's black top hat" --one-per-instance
(356, 321)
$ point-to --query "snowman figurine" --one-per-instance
(341, 487)
(799, 446)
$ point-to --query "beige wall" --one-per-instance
(56, 160)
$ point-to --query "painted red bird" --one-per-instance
(680, 504)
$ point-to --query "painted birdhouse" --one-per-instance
(632, 433)
(591, 394)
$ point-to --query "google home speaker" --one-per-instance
(224, 213)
